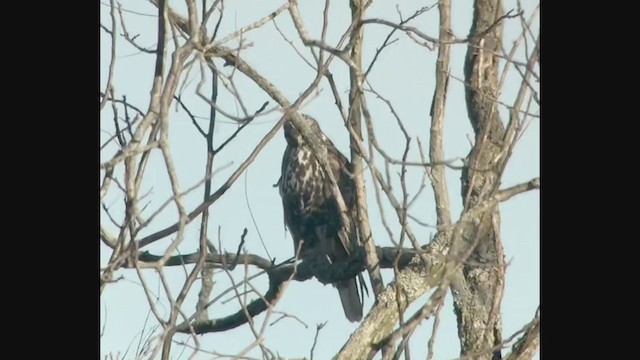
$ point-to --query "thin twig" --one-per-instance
(428, 38)
(315, 338)
(131, 40)
(235, 133)
(193, 119)
(112, 62)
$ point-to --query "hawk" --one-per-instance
(311, 210)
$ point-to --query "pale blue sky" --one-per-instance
(404, 74)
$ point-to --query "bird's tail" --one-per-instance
(350, 299)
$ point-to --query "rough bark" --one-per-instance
(377, 326)
(477, 287)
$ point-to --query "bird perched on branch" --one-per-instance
(311, 211)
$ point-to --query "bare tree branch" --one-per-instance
(278, 275)
(436, 152)
(528, 344)
(131, 40)
(112, 62)
(473, 36)
(315, 338)
(248, 28)
(358, 7)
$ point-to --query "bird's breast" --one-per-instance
(303, 180)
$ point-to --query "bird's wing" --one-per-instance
(341, 169)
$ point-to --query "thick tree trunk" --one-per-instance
(478, 284)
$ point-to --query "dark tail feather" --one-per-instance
(350, 299)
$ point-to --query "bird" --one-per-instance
(311, 211)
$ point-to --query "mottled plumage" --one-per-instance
(310, 209)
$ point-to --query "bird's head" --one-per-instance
(294, 137)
